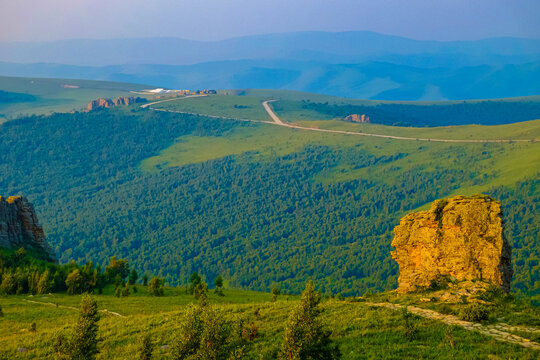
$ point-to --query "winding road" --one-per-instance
(277, 121)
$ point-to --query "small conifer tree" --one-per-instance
(155, 288)
(305, 335)
(145, 280)
(125, 290)
(83, 343)
(133, 276)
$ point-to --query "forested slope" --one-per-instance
(258, 218)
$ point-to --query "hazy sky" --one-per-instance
(217, 19)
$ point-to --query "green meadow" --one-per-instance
(57, 95)
(361, 331)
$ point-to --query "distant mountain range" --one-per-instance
(352, 64)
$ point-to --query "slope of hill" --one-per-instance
(257, 203)
(360, 329)
(297, 106)
(26, 96)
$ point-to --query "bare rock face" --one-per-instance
(107, 103)
(461, 238)
(357, 118)
(19, 226)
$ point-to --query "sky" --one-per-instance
(41, 20)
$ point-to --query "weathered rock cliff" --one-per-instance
(19, 226)
(106, 103)
(461, 237)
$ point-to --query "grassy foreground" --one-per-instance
(362, 331)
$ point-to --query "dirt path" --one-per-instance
(278, 121)
(70, 307)
(498, 331)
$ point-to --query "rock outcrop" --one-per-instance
(107, 103)
(19, 226)
(460, 238)
(357, 118)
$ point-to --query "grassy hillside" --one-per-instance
(45, 96)
(297, 106)
(258, 203)
(360, 330)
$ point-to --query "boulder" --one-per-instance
(461, 238)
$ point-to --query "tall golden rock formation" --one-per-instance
(461, 237)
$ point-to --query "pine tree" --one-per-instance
(145, 280)
(83, 344)
(133, 276)
(305, 336)
(155, 287)
(125, 291)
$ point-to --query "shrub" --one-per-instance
(446, 309)
(474, 312)
(145, 347)
(440, 282)
(410, 323)
(206, 334)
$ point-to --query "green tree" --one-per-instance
(145, 280)
(1, 311)
(155, 288)
(194, 280)
(125, 290)
(9, 284)
(200, 292)
(46, 283)
(206, 334)
(305, 336)
(218, 282)
(133, 276)
(83, 343)
(75, 282)
(117, 267)
(275, 292)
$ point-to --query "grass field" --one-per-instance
(501, 164)
(52, 95)
(362, 331)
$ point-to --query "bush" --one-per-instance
(145, 347)
(474, 312)
(206, 334)
(410, 323)
(440, 282)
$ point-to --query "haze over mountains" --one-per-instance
(353, 64)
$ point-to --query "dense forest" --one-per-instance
(7, 97)
(259, 223)
(480, 113)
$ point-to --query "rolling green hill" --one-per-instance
(27, 96)
(261, 204)
(295, 106)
